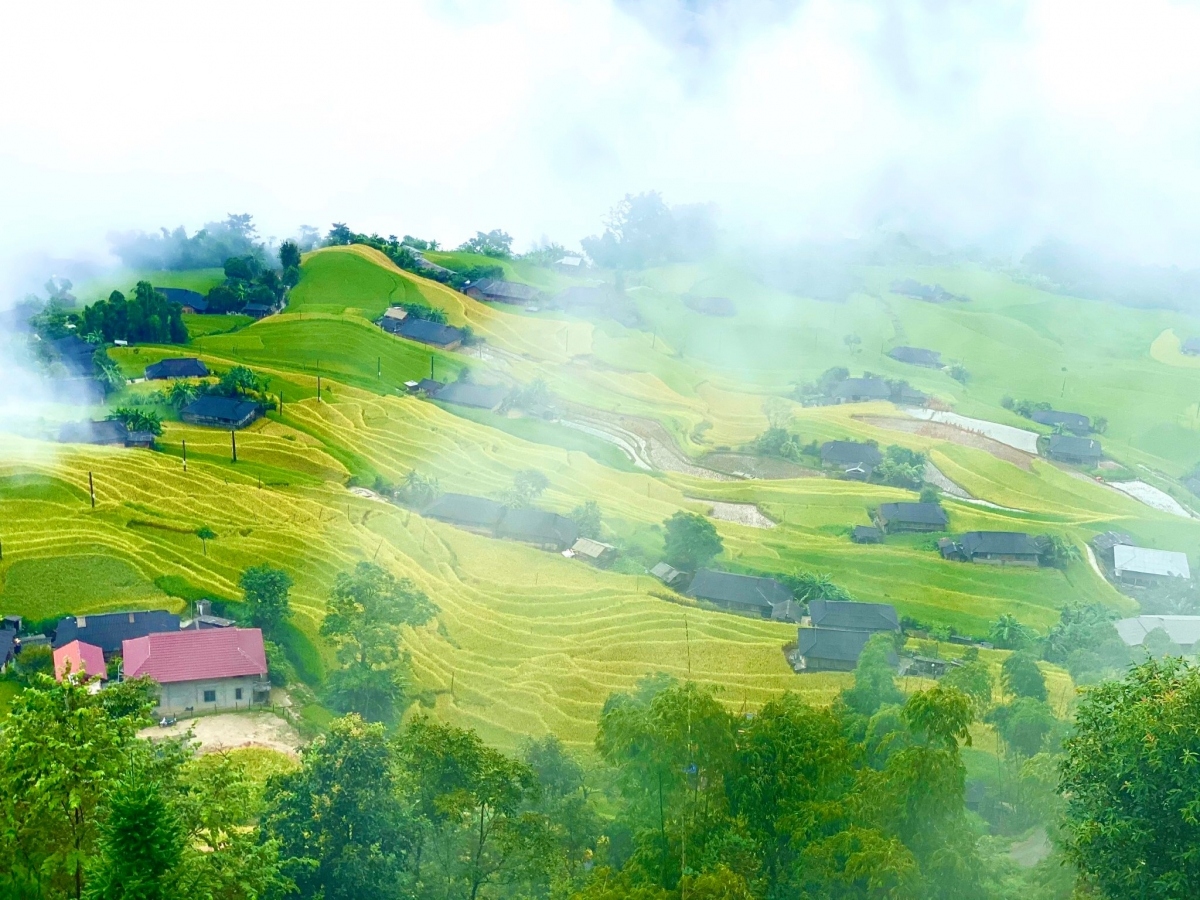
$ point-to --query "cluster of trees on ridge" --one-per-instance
(682, 796)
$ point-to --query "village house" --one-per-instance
(917, 356)
(475, 396)
(1000, 548)
(1077, 450)
(219, 668)
(866, 534)
(830, 649)
(501, 291)
(1184, 631)
(850, 458)
(547, 530)
(8, 642)
(82, 660)
(570, 264)
(223, 412)
(739, 593)
(107, 433)
(392, 318)
(898, 517)
(109, 630)
(1104, 543)
(851, 615)
(1073, 422)
(668, 575)
(204, 618)
(434, 334)
(860, 390)
(257, 310)
(189, 301)
(1144, 567)
(182, 367)
(596, 552)
(476, 514)
(75, 354)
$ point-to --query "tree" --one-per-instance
(136, 419)
(289, 255)
(1128, 776)
(1009, 634)
(1023, 725)
(1055, 550)
(930, 493)
(418, 489)
(180, 393)
(140, 846)
(528, 485)
(107, 373)
(588, 517)
(974, 679)
(205, 534)
(339, 235)
(495, 243)
(342, 831)
(368, 608)
(1021, 677)
(691, 541)
(1158, 644)
(642, 231)
(874, 677)
(265, 592)
(1099, 425)
(238, 382)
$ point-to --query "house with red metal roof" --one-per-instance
(218, 668)
(82, 660)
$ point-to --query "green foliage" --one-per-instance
(973, 678)
(642, 231)
(1130, 785)
(495, 243)
(147, 317)
(901, 467)
(205, 534)
(180, 393)
(138, 419)
(239, 381)
(779, 442)
(367, 609)
(1009, 634)
(1021, 677)
(930, 493)
(589, 519)
(691, 541)
(874, 677)
(528, 485)
(208, 247)
(265, 592)
(141, 844)
(1056, 551)
(35, 662)
(289, 255)
(1023, 725)
(107, 373)
(418, 489)
(810, 586)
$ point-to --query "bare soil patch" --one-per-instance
(747, 465)
(645, 441)
(741, 513)
(943, 432)
(228, 731)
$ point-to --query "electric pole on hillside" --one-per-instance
(379, 367)
(431, 367)
(185, 456)
(233, 442)
(319, 400)
(281, 403)
(92, 489)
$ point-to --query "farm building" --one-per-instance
(433, 333)
(75, 354)
(223, 412)
(424, 386)
(1004, 548)
(1182, 630)
(220, 668)
(860, 390)
(257, 310)
(897, 517)
(850, 615)
(595, 552)
(866, 534)
(917, 356)
(83, 660)
(109, 433)
(501, 291)
(8, 647)
(547, 530)
(910, 396)
(191, 301)
(739, 593)
(1104, 544)
(1078, 450)
(182, 367)
(828, 649)
(570, 263)
(668, 575)
(1073, 422)
(476, 514)
(476, 396)
(392, 318)
(1145, 567)
(108, 630)
(204, 618)
(1191, 347)
(851, 458)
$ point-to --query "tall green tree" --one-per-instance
(341, 828)
(141, 844)
(368, 609)
(1129, 776)
(289, 254)
(874, 677)
(265, 591)
(690, 541)
(1021, 677)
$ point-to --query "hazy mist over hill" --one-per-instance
(1001, 123)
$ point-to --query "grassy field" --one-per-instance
(525, 641)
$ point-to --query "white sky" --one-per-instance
(998, 120)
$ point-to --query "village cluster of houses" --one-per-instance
(195, 302)
(201, 664)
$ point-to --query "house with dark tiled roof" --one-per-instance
(897, 517)
(181, 367)
(851, 615)
(739, 593)
(866, 534)
(210, 669)
(447, 337)
(107, 433)
(1073, 422)
(501, 291)
(667, 574)
(828, 649)
(109, 630)
(539, 527)
(1077, 450)
(467, 393)
(190, 301)
(476, 514)
(917, 356)
(1004, 548)
(1147, 567)
(860, 390)
(850, 458)
(221, 412)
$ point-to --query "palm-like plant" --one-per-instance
(181, 393)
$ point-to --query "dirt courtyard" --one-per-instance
(228, 731)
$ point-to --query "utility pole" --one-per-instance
(281, 403)
(431, 367)
(233, 440)
(92, 489)
(379, 367)
(185, 456)
(319, 400)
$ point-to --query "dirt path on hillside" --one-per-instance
(952, 433)
(229, 731)
(644, 441)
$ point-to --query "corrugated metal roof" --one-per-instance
(1183, 630)
(1144, 561)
